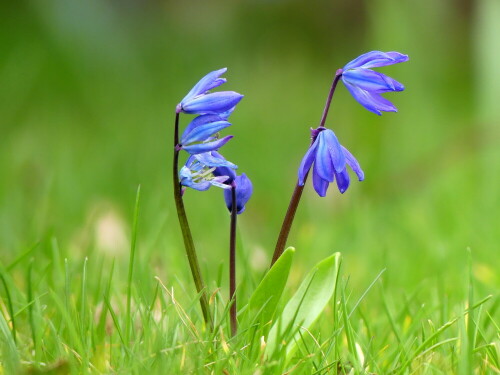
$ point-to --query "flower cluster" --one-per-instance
(206, 167)
(326, 155)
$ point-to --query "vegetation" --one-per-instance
(87, 99)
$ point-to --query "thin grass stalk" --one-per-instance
(10, 307)
(31, 307)
(131, 265)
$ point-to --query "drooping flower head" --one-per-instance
(329, 161)
(366, 85)
(244, 190)
(200, 101)
(242, 183)
(198, 174)
(211, 168)
(223, 170)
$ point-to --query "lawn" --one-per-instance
(93, 273)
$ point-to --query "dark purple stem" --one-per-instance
(186, 232)
(297, 193)
(287, 221)
(338, 74)
(232, 262)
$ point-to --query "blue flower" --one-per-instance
(199, 101)
(198, 137)
(198, 174)
(244, 190)
(330, 160)
(366, 85)
(244, 187)
(223, 170)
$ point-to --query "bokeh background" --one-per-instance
(87, 97)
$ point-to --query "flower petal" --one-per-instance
(200, 186)
(228, 198)
(353, 163)
(214, 159)
(184, 173)
(390, 58)
(323, 161)
(371, 101)
(370, 80)
(225, 115)
(382, 103)
(342, 180)
(335, 150)
(226, 168)
(244, 190)
(186, 179)
(226, 171)
(200, 148)
(208, 82)
(320, 185)
(217, 102)
(199, 121)
(203, 132)
(220, 181)
(307, 161)
(375, 59)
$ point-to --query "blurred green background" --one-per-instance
(87, 97)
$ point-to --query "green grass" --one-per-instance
(78, 323)
(90, 283)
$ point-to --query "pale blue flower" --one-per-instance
(197, 173)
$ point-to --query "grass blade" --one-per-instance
(131, 265)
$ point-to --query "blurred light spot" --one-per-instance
(484, 273)
(259, 259)
(109, 232)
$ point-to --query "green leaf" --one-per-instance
(266, 296)
(305, 306)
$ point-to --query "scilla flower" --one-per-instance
(199, 134)
(200, 101)
(198, 174)
(242, 183)
(366, 85)
(223, 170)
(244, 190)
(330, 160)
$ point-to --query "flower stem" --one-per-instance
(232, 262)
(297, 193)
(186, 233)
(287, 221)
(330, 97)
